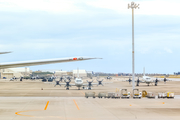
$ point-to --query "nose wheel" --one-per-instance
(67, 88)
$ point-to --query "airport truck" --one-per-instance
(136, 93)
(90, 94)
(101, 95)
(150, 95)
(125, 94)
(170, 94)
(114, 95)
(162, 95)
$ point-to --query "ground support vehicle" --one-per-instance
(114, 95)
(111, 95)
(101, 95)
(90, 94)
(117, 95)
(136, 93)
(125, 94)
(150, 95)
(162, 95)
(170, 94)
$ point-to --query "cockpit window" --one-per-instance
(79, 80)
(147, 78)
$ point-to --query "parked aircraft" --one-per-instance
(78, 83)
(148, 80)
(108, 77)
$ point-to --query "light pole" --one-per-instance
(133, 5)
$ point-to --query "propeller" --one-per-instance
(89, 85)
(130, 80)
(137, 82)
(61, 78)
(57, 83)
(156, 82)
(67, 84)
(100, 82)
(165, 80)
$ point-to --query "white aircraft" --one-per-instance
(78, 83)
(146, 79)
(41, 62)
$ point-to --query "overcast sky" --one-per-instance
(44, 29)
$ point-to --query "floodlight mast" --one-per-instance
(132, 6)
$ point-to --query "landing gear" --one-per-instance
(67, 88)
(78, 88)
(89, 88)
(83, 87)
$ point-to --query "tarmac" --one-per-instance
(27, 100)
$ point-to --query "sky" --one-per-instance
(45, 29)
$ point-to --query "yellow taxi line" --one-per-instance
(46, 105)
(76, 104)
(17, 113)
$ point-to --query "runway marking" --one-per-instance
(83, 93)
(76, 104)
(46, 105)
(17, 113)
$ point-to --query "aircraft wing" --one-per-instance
(43, 62)
(65, 84)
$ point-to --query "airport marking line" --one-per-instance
(46, 105)
(83, 93)
(76, 104)
(17, 113)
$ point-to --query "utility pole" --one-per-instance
(132, 6)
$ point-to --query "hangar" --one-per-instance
(60, 73)
(17, 72)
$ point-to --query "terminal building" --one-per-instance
(15, 72)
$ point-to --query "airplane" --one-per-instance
(42, 62)
(78, 83)
(146, 79)
(108, 77)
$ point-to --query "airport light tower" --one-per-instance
(132, 6)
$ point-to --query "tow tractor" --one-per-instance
(136, 93)
(125, 94)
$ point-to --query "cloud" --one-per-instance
(58, 28)
(149, 7)
(168, 50)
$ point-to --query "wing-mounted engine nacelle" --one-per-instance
(100, 83)
(89, 84)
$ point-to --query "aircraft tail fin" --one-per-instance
(78, 72)
(144, 71)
